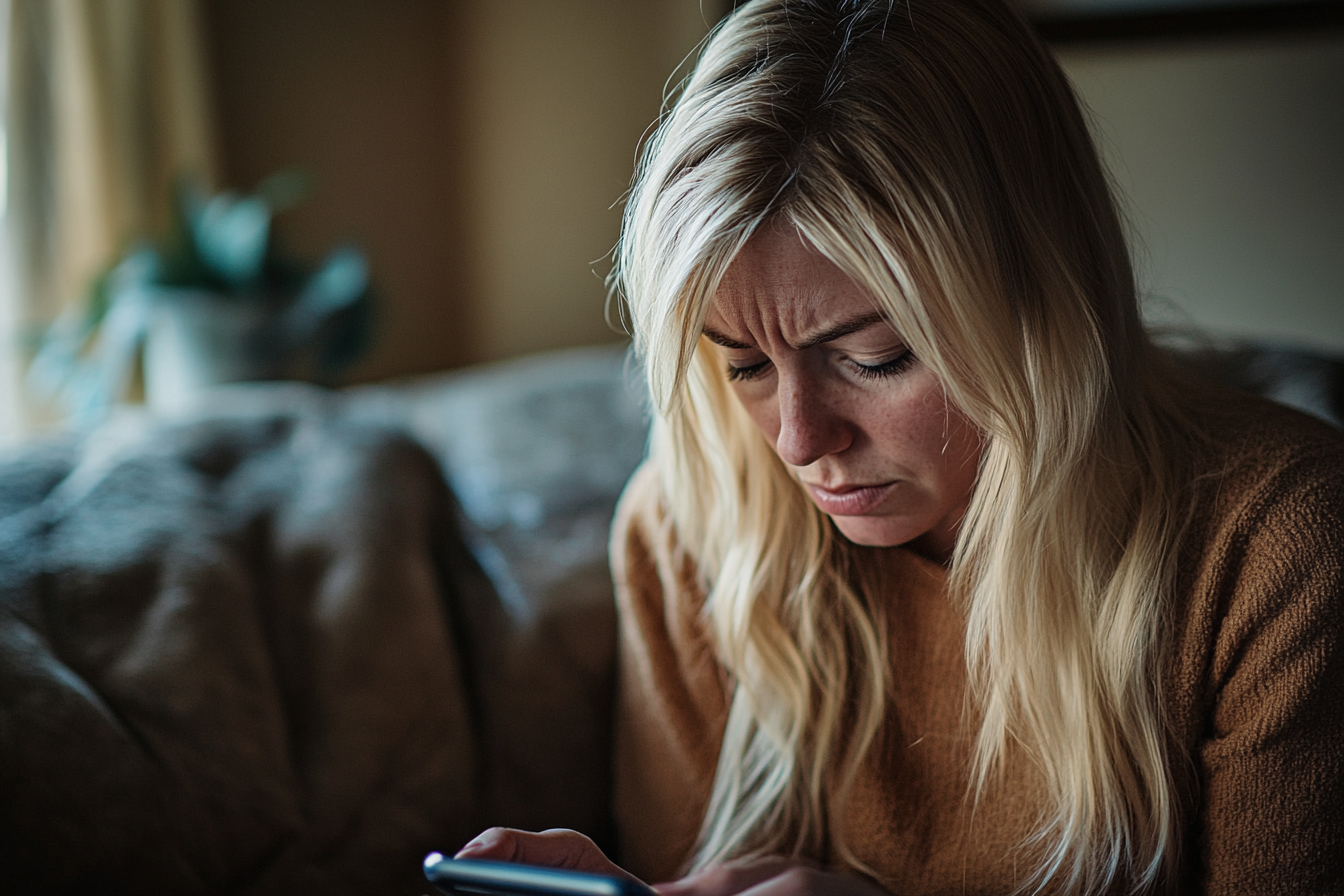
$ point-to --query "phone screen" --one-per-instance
(483, 878)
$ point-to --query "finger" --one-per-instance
(556, 848)
(499, 844)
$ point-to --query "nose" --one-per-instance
(810, 427)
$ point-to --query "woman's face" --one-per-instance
(865, 427)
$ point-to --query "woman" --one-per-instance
(938, 579)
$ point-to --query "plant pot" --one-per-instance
(197, 340)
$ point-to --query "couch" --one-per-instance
(294, 641)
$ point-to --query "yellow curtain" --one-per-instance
(108, 104)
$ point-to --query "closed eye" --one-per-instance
(895, 367)
(749, 372)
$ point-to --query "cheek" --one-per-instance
(763, 411)
(958, 462)
(931, 438)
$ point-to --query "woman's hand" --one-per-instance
(770, 877)
(556, 848)
(562, 848)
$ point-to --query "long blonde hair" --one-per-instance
(934, 152)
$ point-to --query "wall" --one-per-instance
(1230, 154)
(560, 94)
(475, 147)
(479, 150)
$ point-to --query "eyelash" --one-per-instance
(895, 367)
(742, 374)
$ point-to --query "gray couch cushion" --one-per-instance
(227, 663)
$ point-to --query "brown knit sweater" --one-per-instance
(1254, 691)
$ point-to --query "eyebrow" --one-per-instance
(838, 331)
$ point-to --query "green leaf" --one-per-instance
(232, 235)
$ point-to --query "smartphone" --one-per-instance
(478, 876)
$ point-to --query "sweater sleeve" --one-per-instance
(1270, 758)
(672, 692)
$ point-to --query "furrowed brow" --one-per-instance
(718, 338)
(838, 331)
(854, 325)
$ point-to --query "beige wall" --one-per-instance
(474, 147)
(1231, 156)
(559, 95)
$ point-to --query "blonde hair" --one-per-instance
(934, 152)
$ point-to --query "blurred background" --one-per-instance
(477, 152)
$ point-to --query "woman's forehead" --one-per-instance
(779, 286)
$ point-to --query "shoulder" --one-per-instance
(643, 543)
(1265, 538)
(660, 590)
(1268, 512)
(1253, 441)
(1256, 670)
(640, 509)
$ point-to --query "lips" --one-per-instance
(849, 500)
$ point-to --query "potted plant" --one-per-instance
(212, 302)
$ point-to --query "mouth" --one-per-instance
(854, 500)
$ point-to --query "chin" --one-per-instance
(875, 532)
